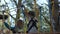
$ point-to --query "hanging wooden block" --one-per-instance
(5, 16)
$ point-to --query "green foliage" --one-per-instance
(44, 27)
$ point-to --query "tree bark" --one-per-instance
(37, 14)
(18, 10)
(36, 9)
(55, 9)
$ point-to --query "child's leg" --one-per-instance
(36, 27)
(29, 29)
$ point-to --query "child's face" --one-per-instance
(19, 24)
(30, 16)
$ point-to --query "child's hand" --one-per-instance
(3, 21)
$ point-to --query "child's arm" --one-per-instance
(36, 20)
(9, 27)
(6, 25)
(29, 23)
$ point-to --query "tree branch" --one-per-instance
(47, 20)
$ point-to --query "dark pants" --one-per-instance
(33, 25)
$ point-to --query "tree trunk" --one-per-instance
(55, 9)
(51, 4)
(18, 10)
(37, 14)
(36, 9)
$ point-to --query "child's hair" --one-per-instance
(32, 13)
(20, 21)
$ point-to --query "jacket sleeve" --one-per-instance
(9, 27)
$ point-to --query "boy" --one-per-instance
(32, 27)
